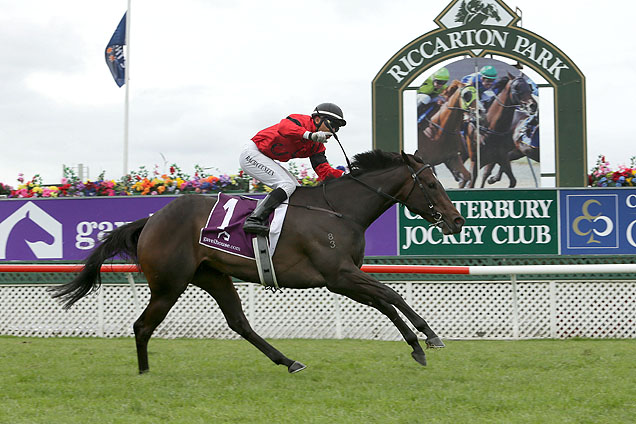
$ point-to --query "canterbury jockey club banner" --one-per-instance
(498, 222)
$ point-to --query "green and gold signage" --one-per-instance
(498, 222)
(478, 28)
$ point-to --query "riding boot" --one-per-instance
(258, 221)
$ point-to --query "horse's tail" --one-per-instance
(120, 242)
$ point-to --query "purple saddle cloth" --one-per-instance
(224, 229)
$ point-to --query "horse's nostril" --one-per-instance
(460, 221)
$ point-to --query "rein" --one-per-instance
(502, 104)
(437, 216)
(442, 129)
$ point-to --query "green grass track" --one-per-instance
(67, 380)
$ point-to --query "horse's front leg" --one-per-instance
(496, 178)
(487, 171)
(473, 174)
(506, 168)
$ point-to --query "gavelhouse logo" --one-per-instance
(30, 232)
(592, 221)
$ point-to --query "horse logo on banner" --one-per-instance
(30, 233)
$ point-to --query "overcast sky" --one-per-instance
(206, 75)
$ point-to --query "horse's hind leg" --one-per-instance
(220, 287)
(161, 300)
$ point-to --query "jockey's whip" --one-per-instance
(330, 128)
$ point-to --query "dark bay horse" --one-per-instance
(321, 245)
(440, 141)
(496, 133)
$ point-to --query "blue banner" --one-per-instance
(115, 53)
(598, 222)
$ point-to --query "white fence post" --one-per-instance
(336, 307)
(515, 307)
(133, 290)
(553, 310)
(409, 292)
(100, 312)
(250, 302)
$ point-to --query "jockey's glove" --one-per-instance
(320, 136)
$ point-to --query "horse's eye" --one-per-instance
(431, 185)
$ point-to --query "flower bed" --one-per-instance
(603, 176)
(143, 182)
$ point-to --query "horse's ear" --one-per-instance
(452, 88)
(405, 157)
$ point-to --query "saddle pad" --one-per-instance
(224, 228)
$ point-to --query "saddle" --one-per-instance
(224, 231)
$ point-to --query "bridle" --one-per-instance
(437, 215)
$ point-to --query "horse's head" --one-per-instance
(461, 96)
(521, 92)
(468, 98)
(452, 88)
(426, 197)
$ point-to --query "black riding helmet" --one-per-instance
(330, 112)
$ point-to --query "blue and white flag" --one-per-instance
(115, 53)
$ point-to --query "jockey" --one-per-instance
(484, 80)
(429, 95)
(527, 132)
(296, 136)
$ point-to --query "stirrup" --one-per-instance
(253, 226)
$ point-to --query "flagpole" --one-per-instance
(127, 79)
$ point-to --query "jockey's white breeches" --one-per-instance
(267, 170)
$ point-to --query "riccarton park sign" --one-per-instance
(477, 28)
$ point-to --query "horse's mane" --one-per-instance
(374, 160)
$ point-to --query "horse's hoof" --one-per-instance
(420, 358)
(142, 372)
(295, 367)
(435, 342)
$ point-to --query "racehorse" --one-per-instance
(497, 139)
(440, 141)
(321, 245)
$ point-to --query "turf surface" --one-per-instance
(67, 380)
